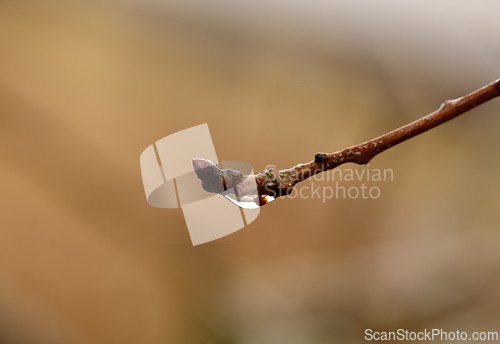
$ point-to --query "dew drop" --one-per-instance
(268, 198)
(247, 201)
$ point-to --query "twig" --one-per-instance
(277, 183)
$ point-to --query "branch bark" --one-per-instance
(277, 183)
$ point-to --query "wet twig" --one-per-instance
(277, 183)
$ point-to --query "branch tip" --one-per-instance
(279, 183)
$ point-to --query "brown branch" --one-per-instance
(277, 183)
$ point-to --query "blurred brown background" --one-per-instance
(86, 86)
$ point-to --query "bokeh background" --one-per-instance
(85, 86)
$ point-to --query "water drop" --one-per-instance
(267, 199)
(247, 201)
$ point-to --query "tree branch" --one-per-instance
(277, 183)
